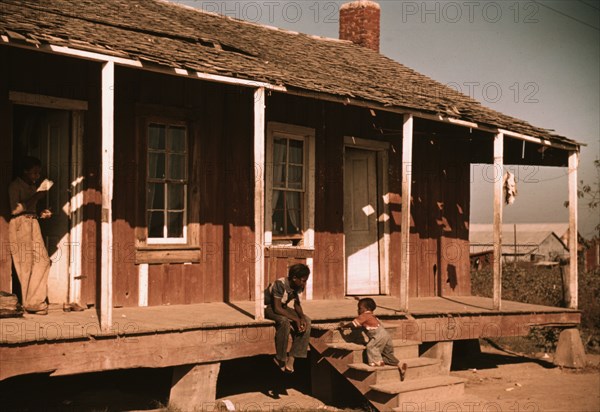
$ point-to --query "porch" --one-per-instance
(162, 336)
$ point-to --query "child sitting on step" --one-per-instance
(380, 348)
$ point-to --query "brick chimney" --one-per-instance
(359, 23)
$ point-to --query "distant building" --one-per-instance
(523, 242)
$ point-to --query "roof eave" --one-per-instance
(132, 62)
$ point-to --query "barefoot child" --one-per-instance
(380, 349)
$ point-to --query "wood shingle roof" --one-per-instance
(171, 35)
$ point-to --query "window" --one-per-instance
(166, 183)
(289, 202)
(288, 186)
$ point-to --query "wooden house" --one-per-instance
(196, 156)
(522, 242)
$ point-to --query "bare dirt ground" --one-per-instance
(496, 381)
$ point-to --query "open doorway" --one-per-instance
(46, 134)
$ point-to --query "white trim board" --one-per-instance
(48, 102)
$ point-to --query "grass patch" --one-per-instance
(526, 283)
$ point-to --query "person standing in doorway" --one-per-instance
(29, 254)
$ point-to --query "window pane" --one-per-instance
(156, 136)
(176, 140)
(177, 167)
(279, 175)
(295, 178)
(156, 224)
(279, 150)
(175, 225)
(155, 197)
(175, 196)
(278, 205)
(296, 151)
(156, 165)
(294, 221)
(278, 223)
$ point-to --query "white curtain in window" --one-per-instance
(278, 170)
(293, 209)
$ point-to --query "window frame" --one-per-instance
(305, 239)
(167, 122)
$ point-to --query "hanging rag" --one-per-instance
(510, 188)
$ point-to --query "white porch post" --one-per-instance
(108, 100)
(572, 293)
(498, 177)
(407, 142)
(259, 201)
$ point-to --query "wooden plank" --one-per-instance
(166, 256)
(259, 198)
(177, 282)
(419, 273)
(125, 352)
(76, 205)
(96, 56)
(455, 264)
(242, 252)
(92, 194)
(329, 259)
(6, 160)
(346, 101)
(106, 268)
(193, 385)
(50, 102)
(572, 290)
(444, 328)
(384, 225)
(498, 177)
(194, 285)
(394, 201)
(143, 285)
(407, 143)
(215, 275)
(129, 163)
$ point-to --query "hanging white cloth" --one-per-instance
(510, 188)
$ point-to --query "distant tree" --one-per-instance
(590, 193)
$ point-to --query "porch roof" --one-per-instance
(159, 33)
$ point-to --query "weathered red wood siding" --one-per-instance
(221, 185)
(220, 188)
(440, 208)
(331, 123)
(440, 211)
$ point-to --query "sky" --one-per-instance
(536, 60)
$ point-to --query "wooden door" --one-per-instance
(360, 222)
(46, 135)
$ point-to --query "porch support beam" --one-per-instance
(259, 200)
(407, 143)
(106, 268)
(572, 294)
(498, 177)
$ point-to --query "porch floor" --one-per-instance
(61, 326)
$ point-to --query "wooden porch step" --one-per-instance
(417, 368)
(393, 395)
(403, 349)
